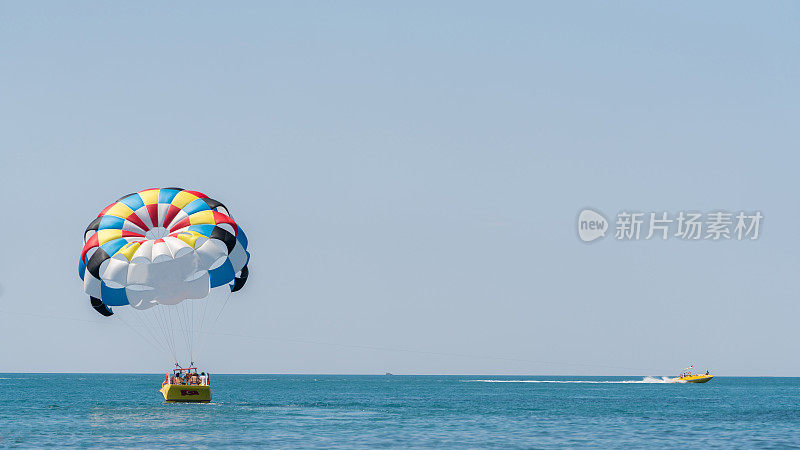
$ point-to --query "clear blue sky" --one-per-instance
(409, 175)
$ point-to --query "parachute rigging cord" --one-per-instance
(152, 255)
(203, 330)
(176, 331)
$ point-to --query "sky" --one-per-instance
(409, 177)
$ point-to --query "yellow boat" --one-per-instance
(179, 392)
(182, 393)
(688, 376)
(695, 378)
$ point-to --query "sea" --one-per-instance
(397, 411)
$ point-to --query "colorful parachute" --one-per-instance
(160, 247)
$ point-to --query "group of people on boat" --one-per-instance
(689, 374)
(190, 379)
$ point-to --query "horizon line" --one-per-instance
(382, 375)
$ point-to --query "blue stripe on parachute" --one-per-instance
(110, 223)
(196, 206)
(112, 296)
(204, 229)
(241, 237)
(133, 201)
(112, 247)
(222, 275)
(166, 195)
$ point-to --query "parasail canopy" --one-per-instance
(161, 247)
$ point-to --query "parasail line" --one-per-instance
(390, 349)
(144, 338)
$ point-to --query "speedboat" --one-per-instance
(695, 378)
(688, 376)
(175, 388)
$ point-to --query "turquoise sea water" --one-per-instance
(400, 411)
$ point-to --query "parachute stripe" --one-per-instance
(119, 210)
(205, 229)
(112, 296)
(238, 256)
(110, 222)
(98, 306)
(190, 237)
(183, 223)
(93, 266)
(222, 218)
(105, 210)
(134, 219)
(241, 237)
(172, 211)
(93, 226)
(104, 236)
(165, 196)
(213, 204)
(222, 275)
(199, 217)
(112, 247)
(132, 201)
(183, 198)
(239, 281)
(196, 206)
(152, 211)
(136, 229)
(224, 236)
(91, 243)
(197, 194)
(129, 249)
(149, 196)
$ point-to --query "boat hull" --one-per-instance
(696, 379)
(184, 393)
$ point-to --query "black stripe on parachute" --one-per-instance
(225, 236)
(216, 205)
(92, 226)
(239, 281)
(124, 197)
(213, 203)
(93, 266)
(100, 307)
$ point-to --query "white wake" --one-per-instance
(645, 380)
